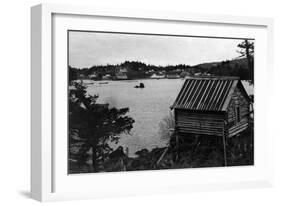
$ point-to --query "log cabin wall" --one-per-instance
(237, 113)
(212, 106)
(199, 123)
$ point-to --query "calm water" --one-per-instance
(148, 107)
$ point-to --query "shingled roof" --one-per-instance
(207, 94)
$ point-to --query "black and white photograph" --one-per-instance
(151, 101)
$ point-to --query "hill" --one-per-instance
(232, 63)
(138, 70)
(236, 67)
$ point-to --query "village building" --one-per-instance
(157, 76)
(212, 106)
(121, 76)
(198, 74)
(93, 76)
(123, 70)
(185, 74)
(172, 76)
(106, 77)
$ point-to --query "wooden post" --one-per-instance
(161, 157)
(171, 131)
(224, 146)
(177, 146)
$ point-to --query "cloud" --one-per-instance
(91, 48)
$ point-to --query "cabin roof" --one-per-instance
(207, 94)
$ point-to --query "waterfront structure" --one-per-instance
(212, 106)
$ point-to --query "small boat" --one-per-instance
(103, 82)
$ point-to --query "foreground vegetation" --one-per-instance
(198, 154)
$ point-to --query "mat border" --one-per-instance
(42, 84)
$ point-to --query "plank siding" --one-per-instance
(238, 100)
(199, 123)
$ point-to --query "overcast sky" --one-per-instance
(88, 48)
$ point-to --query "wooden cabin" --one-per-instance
(212, 106)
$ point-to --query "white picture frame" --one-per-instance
(50, 182)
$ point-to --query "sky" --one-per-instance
(91, 48)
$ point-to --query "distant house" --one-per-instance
(172, 76)
(184, 74)
(206, 74)
(157, 76)
(121, 76)
(212, 106)
(106, 77)
(93, 76)
(123, 70)
(82, 76)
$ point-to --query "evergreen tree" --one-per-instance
(92, 126)
(247, 50)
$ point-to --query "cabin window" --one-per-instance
(237, 114)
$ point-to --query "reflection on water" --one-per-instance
(148, 106)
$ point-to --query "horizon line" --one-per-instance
(107, 64)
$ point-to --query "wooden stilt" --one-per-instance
(166, 150)
(161, 157)
(177, 146)
(224, 147)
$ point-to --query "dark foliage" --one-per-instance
(193, 151)
(92, 126)
(72, 73)
(247, 50)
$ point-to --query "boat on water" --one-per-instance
(103, 82)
